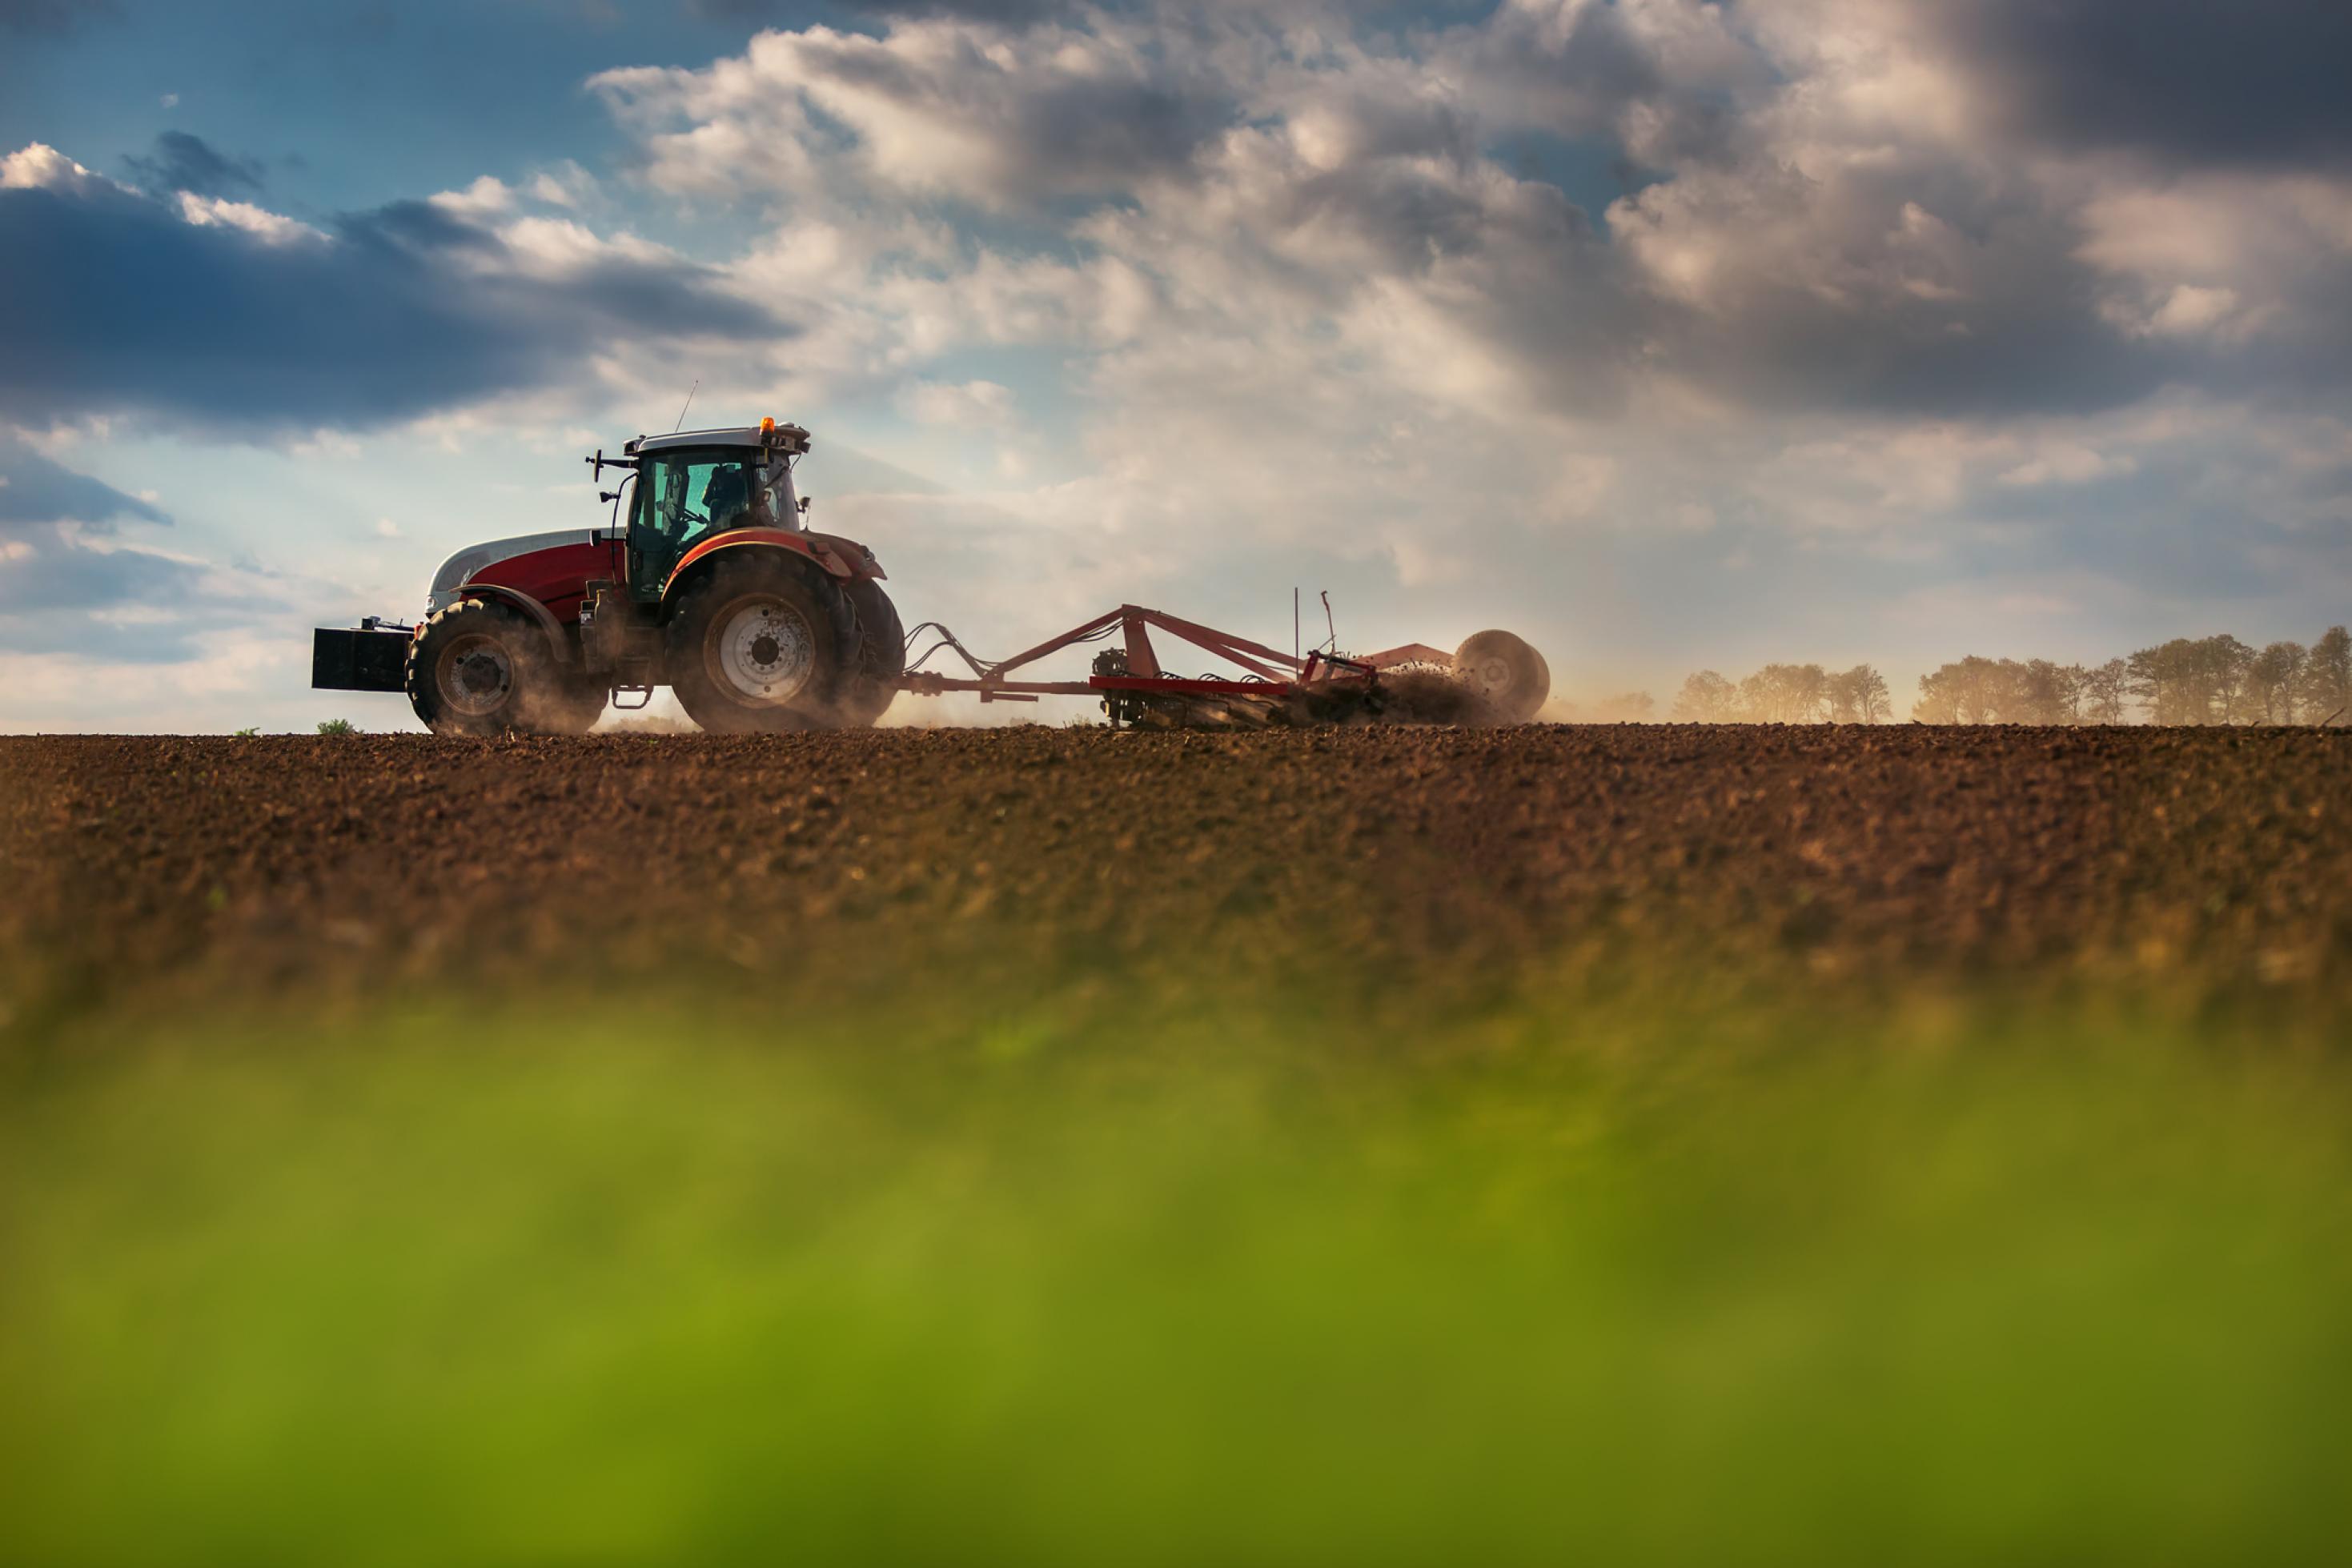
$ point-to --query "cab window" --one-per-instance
(688, 497)
(682, 499)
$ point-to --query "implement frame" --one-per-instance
(1271, 671)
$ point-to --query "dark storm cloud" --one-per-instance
(37, 491)
(66, 598)
(1059, 132)
(184, 163)
(60, 576)
(1582, 80)
(110, 302)
(2015, 352)
(399, 229)
(58, 566)
(1594, 69)
(2251, 81)
(1092, 138)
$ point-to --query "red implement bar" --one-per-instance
(1411, 654)
(1276, 672)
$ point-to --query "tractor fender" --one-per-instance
(810, 557)
(861, 560)
(557, 642)
(811, 547)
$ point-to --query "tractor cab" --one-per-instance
(686, 487)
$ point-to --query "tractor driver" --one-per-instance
(726, 498)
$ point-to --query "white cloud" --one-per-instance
(968, 405)
(2188, 311)
(41, 167)
(946, 108)
(2227, 256)
(565, 185)
(274, 227)
(486, 197)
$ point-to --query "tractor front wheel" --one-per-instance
(483, 669)
(755, 646)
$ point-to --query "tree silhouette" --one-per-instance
(1785, 694)
(2038, 693)
(2104, 690)
(2274, 683)
(1972, 691)
(2327, 677)
(1708, 698)
(2203, 680)
(1859, 696)
(2187, 681)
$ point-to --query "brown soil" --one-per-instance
(166, 873)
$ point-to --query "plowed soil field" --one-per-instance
(1054, 1146)
(1707, 859)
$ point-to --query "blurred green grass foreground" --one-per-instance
(1043, 1278)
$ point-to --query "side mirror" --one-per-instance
(804, 504)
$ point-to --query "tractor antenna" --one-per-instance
(1328, 625)
(1294, 623)
(684, 406)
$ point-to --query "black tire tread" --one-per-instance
(881, 655)
(756, 571)
(549, 698)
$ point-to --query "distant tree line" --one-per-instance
(2203, 680)
(1787, 693)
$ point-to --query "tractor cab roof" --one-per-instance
(766, 435)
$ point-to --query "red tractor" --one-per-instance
(713, 587)
(716, 589)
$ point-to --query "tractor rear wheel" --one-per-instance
(756, 646)
(1511, 676)
(481, 668)
(881, 655)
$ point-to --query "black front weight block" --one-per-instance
(349, 661)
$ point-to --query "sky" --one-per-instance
(1669, 335)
